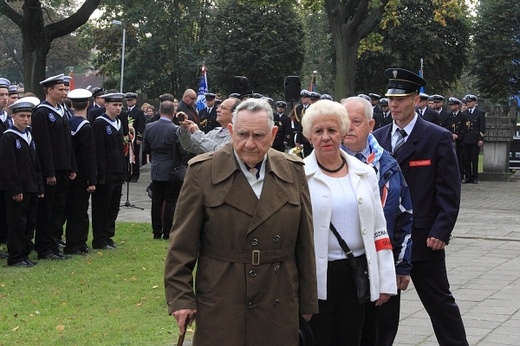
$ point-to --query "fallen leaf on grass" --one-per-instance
(156, 286)
(60, 328)
(15, 328)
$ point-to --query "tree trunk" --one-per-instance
(346, 68)
(34, 63)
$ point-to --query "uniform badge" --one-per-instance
(109, 130)
(18, 144)
(52, 117)
(394, 72)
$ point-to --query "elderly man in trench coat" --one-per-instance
(244, 216)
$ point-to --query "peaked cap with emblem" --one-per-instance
(471, 97)
(454, 101)
(402, 82)
(113, 97)
(130, 96)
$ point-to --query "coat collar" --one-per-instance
(225, 164)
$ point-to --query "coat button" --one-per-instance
(364, 230)
(277, 268)
(276, 238)
(360, 200)
(252, 273)
(251, 305)
(276, 302)
(254, 241)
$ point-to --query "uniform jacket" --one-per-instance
(98, 111)
(284, 130)
(84, 150)
(137, 114)
(457, 125)
(430, 167)
(241, 303)
(161, 142)
(381, 269)
(430, 115)
(20, 171)
(476, 125)
(109, 148)
(443, 119)
(52, 133)
(208, 120)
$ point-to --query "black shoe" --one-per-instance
(4, 255)
(166, 236)
(52, 256)
(85, 250)
(62, 255)
(475, 181)
(21, 264)
(105, 247)
(30, 261)
(156, 236)
(75, 252)
(467, 181)
(111, 243)
(133, 180)
(61, 243)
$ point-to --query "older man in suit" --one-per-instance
(427, 158)
(161, 142)
(244, 215)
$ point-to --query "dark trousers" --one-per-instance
(105, 208)
(21, 218)
(164, 193)
(459, 149)
(340, 318)
(3, 221)
(51, 214)
(381, 322)
(471, 152)
(135, 167)
(431, 283)
(76, 231)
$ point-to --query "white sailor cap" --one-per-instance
(131, 96)
(13, 89)
(33, 99)
(58, 79)
(113, 97)
(22, 105)
(5, 83)
(79, 95)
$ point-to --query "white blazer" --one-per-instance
(381, 267)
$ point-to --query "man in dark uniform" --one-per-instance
(378, 112)
(284, 127)
(85, 183)
(208, 115)
(385, 116)
(429, 164)
(97, 101)
(300, 141)
(458, 128)
(5, 120)
(424, 111)
(108, 137)
(51, 132)
(21, 182)
(442, 115)
(13, 95)
(474, 139)
(136, 115)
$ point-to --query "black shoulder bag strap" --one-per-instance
(342, 243)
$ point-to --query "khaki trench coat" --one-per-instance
(245, 294)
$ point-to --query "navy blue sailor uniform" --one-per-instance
(20, 172)
(78, 197)
(50, 129)
(284, 133)
(5, 123)
(108, 135)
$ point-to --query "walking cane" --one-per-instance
(180, 341)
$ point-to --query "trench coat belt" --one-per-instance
(254, 257)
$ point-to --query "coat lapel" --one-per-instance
(408, 147)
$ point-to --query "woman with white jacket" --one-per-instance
(344, 192)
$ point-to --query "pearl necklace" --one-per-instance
(332, 170)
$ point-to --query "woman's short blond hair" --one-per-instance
(322, 109)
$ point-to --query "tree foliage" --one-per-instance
(260, 41)
(164, 48)
(497, 49)
(39, 30)
(436, 31)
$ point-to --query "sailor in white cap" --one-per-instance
(21, 179)
(139, 122)
(76, 231)
(5, 123)
(108, 137)
(51, 130)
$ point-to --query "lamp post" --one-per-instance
(118, 22)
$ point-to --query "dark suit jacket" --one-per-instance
(429, 164)
(476, 124)
(191, 111)
(161, 142)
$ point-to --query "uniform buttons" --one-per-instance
(251, 305)
(364, 230)
(276, 267)
(276, 238)
(252, 273)
(254, 241)
(360, 200)
(276, 302)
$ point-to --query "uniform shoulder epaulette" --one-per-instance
(200, 158)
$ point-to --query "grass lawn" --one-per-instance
(113, 297)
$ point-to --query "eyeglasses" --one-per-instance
(225, 108)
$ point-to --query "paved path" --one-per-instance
(483, 261)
